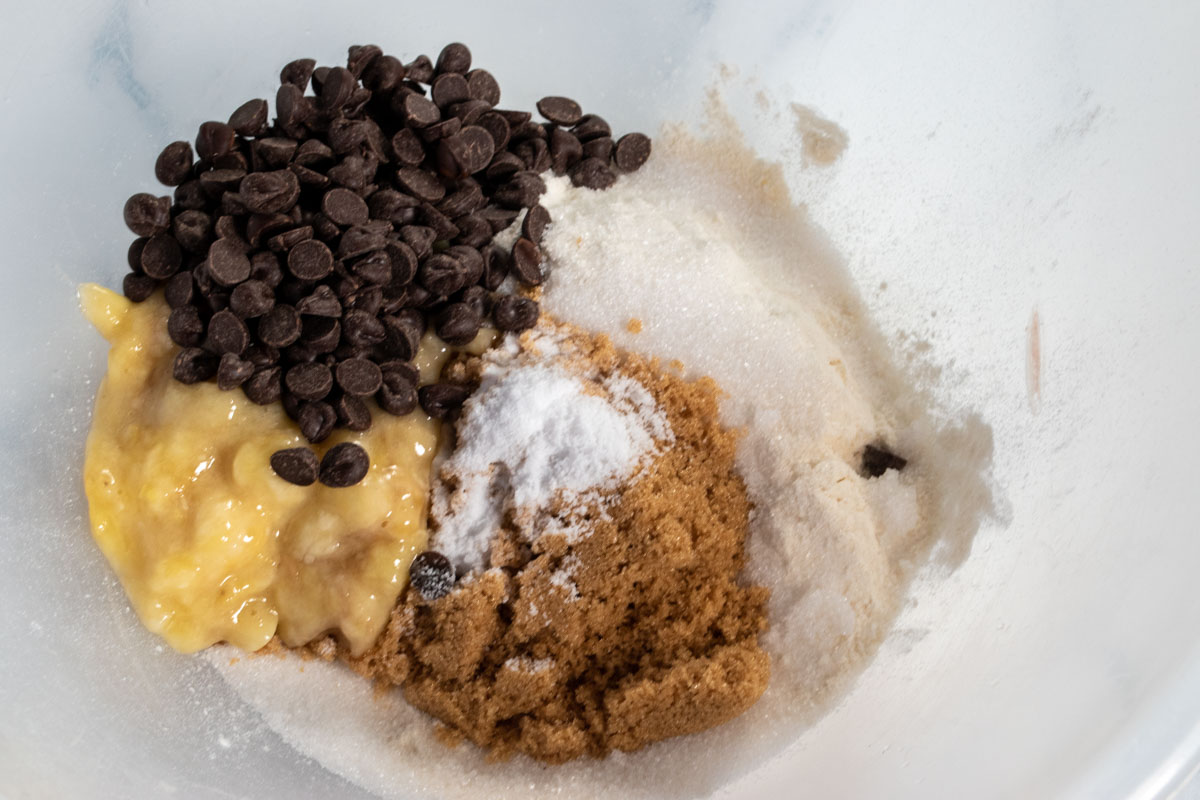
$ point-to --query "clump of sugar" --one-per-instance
(539, 433)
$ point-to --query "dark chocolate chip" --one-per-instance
(273, 152)
(560, 110)
(298, 72)
(495, 267)
(214, 139)
(233, 371)
(419, 69)
(133, 256)
(138, 287)
(397, 393)
(321, 303)
(147, 215)
(194, 365)
(309, 381)
(441, 400)
(180, 290)
(192, 229)
(482, 85)
(526, 262)
(316, 420)
(592, 173)
(591, 126)
(565, 150)
(269, 192)
(534, 225)
(265, 386)
(877, 460)
(504, 165)
(360, 240)
(521, 191)
(336, 87)
(458, 323)
(345, 207)
(442, 274)
(449, 89)
(432, 575)
(419, 111)
(310, 260)
(296, 465)
(174, 164)
(497, 126)
(359, 377)
(455, 57)
(250, 118)
(280, 326)
(403, 332)
(465, 153)
(227, 333)
(362, 329)
(513, 313)
(284, 242)
(161, 257)
(383, 74)
(632, 151)
(190, 195)
(360, 57)
(251, 299)
(185, 327)
(601, 147)
(418, 183)
(352, 413)
(227, 262)
(264, 266)
(344, 465)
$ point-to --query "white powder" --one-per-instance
(533, 436)
(704, 246)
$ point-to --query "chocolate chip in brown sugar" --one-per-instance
(344, 465)
(296, 465)
(432, 575)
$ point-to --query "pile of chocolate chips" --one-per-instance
(304, 259)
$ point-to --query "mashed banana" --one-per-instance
(208, 542)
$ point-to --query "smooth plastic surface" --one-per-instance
(1010, 165)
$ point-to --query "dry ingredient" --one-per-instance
(593, 501)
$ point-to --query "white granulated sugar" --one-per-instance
(533, 436)
(704, 246)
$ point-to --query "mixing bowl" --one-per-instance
(1017, 201)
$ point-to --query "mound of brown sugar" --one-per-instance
(636, 632)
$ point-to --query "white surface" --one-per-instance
(1003, 157)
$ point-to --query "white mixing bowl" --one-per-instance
(1011, 166)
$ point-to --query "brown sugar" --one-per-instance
(636, 632)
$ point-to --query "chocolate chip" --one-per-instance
(877, 460)
(408, 148)
(601, 147)
(526, 262)
(432, 575)
(565, 150)
(283, 242)
(133, 256)
(147, 215)
(264, 387)
(296, 465)
(402, 333)
(298, 72)
(265, 267)
(497, 126)
(273, 152)
(280, 326)
(344, 465)
(316, 420)
(521, 191)
(360, 57)
(498, 218)
(513, 313)
(227, 333)
(138, 287)
(291, 108)
(233, 371)
(174, 164)
(465, 153)
(359, 377)
(418, 183)
(336, 87)
(495, 267)
(360, 240)
(632, 151)
(441, 400)
(194, 365)
(592, 173)
(420, 238)
(344, 207)
(473, 230)
(192, 229)
(352, 413)
(185, 327)
(250, 118)
(449, 89)
(455, 57)
(442, 274)
(419, 69)
(320, 334)
(190, 195)
(383, 74)
(309, 381)
(227, 262)
(477, 298)
(362, 329)
(482, 85)
(559, 110)
(180, 290)
(504, 165)
(161, 257)
(251, 299)
(458, 324)
(310, 260)
(397, 394)
(534, 225)
(591, 126)
(471, 259)
(214, 139)
(419, 111)
(269, 192)
(321, 303)
(404, 262)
